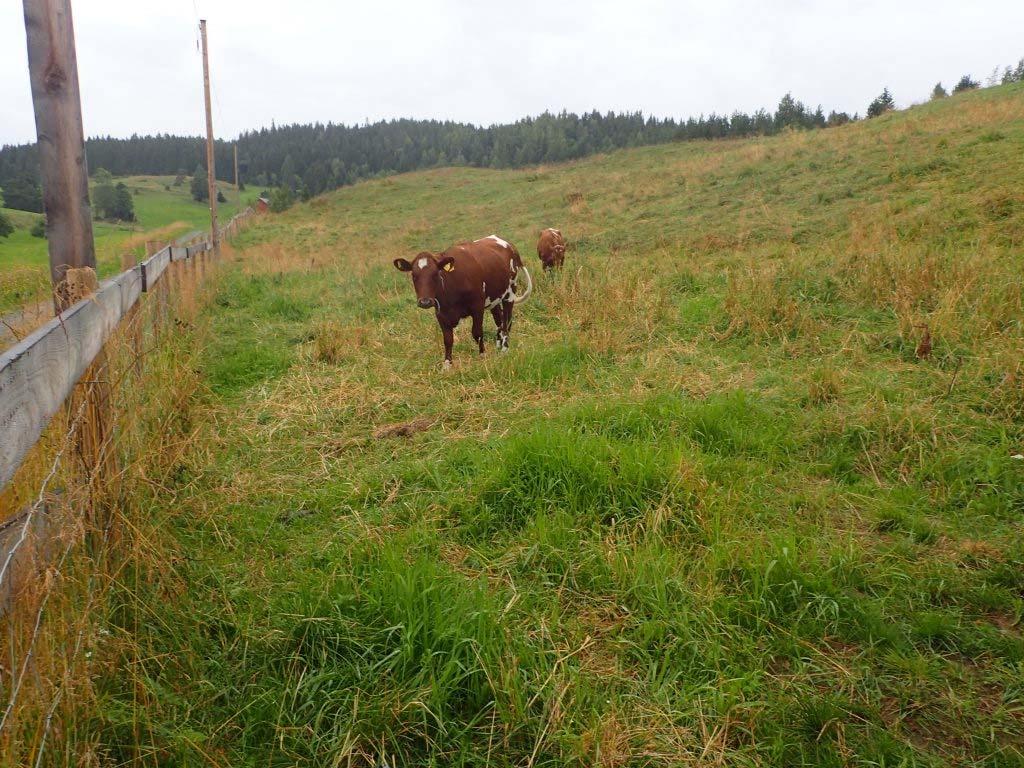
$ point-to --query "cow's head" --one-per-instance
(427, 277)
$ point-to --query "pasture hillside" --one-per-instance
(163, 212)
(719, 505)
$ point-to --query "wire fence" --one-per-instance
(65, 515)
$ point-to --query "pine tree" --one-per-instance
(124, 206)
(882, 104)
(23, 194)
(837, 118)
(104, 196)
(790, 113)
(938, 92)
(200, 184)
(281, 199)
(966, 84)
(286, 178)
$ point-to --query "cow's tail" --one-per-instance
(529, 287)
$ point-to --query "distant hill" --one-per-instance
(314, 158)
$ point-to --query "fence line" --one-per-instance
(42, 383)
(38, 373)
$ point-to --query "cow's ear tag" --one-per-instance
(449, 267)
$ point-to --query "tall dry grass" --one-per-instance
(92, 530)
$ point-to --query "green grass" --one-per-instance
(711, 509)
(163, 210)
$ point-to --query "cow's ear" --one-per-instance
(403, 265)
(447, 263)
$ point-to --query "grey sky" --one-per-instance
(486, 62)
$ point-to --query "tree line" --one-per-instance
(307, 159)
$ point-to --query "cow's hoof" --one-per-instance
(504, 349)
(446, 365)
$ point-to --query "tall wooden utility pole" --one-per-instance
(238, 195)
(53, 72)
(211, 169)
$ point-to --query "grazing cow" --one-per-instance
(464, 281)
(551, 248)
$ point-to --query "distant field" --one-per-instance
(712, 509)
(163, 213)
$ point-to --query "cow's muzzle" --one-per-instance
(426, 303)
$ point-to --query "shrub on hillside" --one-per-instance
(966, 84)
(939, 92)
(200, 184)
(281, 200)
(6, 228)
(124, 206)
(39, 228)
(882, 104)
(110, 201)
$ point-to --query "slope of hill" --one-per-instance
(713, 508)
(163, 211)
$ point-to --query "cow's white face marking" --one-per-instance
(422, 263)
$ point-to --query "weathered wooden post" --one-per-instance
(159, 295)
(53, 73)
(211, 166)
(133, 320)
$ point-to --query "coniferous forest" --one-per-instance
(313, 158)
(308, 159)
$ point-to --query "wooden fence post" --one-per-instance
(211, 165)
(159, 294)
(53, 74)
(91, 402)
(133, 319)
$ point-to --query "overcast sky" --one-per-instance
(486, 62)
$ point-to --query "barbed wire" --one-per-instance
(47, 724)
(56, 571)
(41, 497)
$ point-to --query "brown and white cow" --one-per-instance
(466, 280)
(551, 248)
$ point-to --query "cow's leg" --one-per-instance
(448, 332)
(498, 313)
(478, 328)
(506, 311)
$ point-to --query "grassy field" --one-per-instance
(712, 509)
(163, 211)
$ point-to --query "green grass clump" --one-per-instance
(587, 478)
(398, 655)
